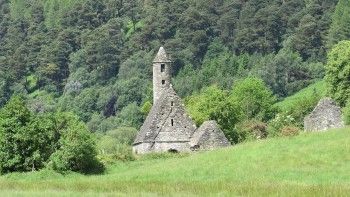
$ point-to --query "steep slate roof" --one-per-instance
(157, 126)
(209, 136)
(162, 56)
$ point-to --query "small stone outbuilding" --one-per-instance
(326, 115)
(208, 136)
(167, 127)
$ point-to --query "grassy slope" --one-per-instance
(309, 164)
(318, 87)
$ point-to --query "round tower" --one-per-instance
(161, 74)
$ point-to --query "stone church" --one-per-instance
(167, 127)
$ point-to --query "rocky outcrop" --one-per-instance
(326, 115)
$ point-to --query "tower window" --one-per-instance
(172, 103)
(172, 122)
(163, 82)
(162, 68)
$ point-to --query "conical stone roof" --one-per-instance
(162, 56)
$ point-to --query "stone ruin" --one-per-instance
(167, 127)
(326, 115)
(208, 136)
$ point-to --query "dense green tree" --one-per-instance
(284, 72)
(339, 29)
(101, 48)
(61, 50)
(338, 72)
(76, 147)
(26, 141)
(14, 117)
(30, 141)
(254, 99)
(212, 104)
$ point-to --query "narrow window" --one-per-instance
(172, 103)
(163, 82)
(172, 122)
(162, 68)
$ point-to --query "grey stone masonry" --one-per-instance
(326, 115)
(161, 74)
(167, 127)
(208, 136)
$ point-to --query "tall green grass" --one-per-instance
(311, 164)
(318, 88)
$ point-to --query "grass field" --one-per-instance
(318, 87)
(311, 164)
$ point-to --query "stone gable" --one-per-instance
(208, 136)
(326, 115)
(167, 123)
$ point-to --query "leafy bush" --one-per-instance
(337, 72)
(76, 147)
(31, 142)
(254, 99)
(212, 104)
(302, 108)
(123, 135)
(280, 122)
(346, 113)
(251, 130)
(116, 145)
(203, 105)
(110, 150)
(26, 143)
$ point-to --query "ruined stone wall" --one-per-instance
(326, 115)
(208, 136)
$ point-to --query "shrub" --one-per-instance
(110, 150)
(25, 143)
(302, 107)
(212, 104)
(337, 72)
(146, 108)
(346, 113)
(290, 131)
(76, 147)
(123, 135)
(254, 98)
(29, 141)
(251, 130)
(280, 122)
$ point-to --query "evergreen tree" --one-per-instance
(339, 29)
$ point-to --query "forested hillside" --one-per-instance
(68, 67)
(94, 57)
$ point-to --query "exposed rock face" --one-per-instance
(326, 115)
(167, 127)
(208, 136)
